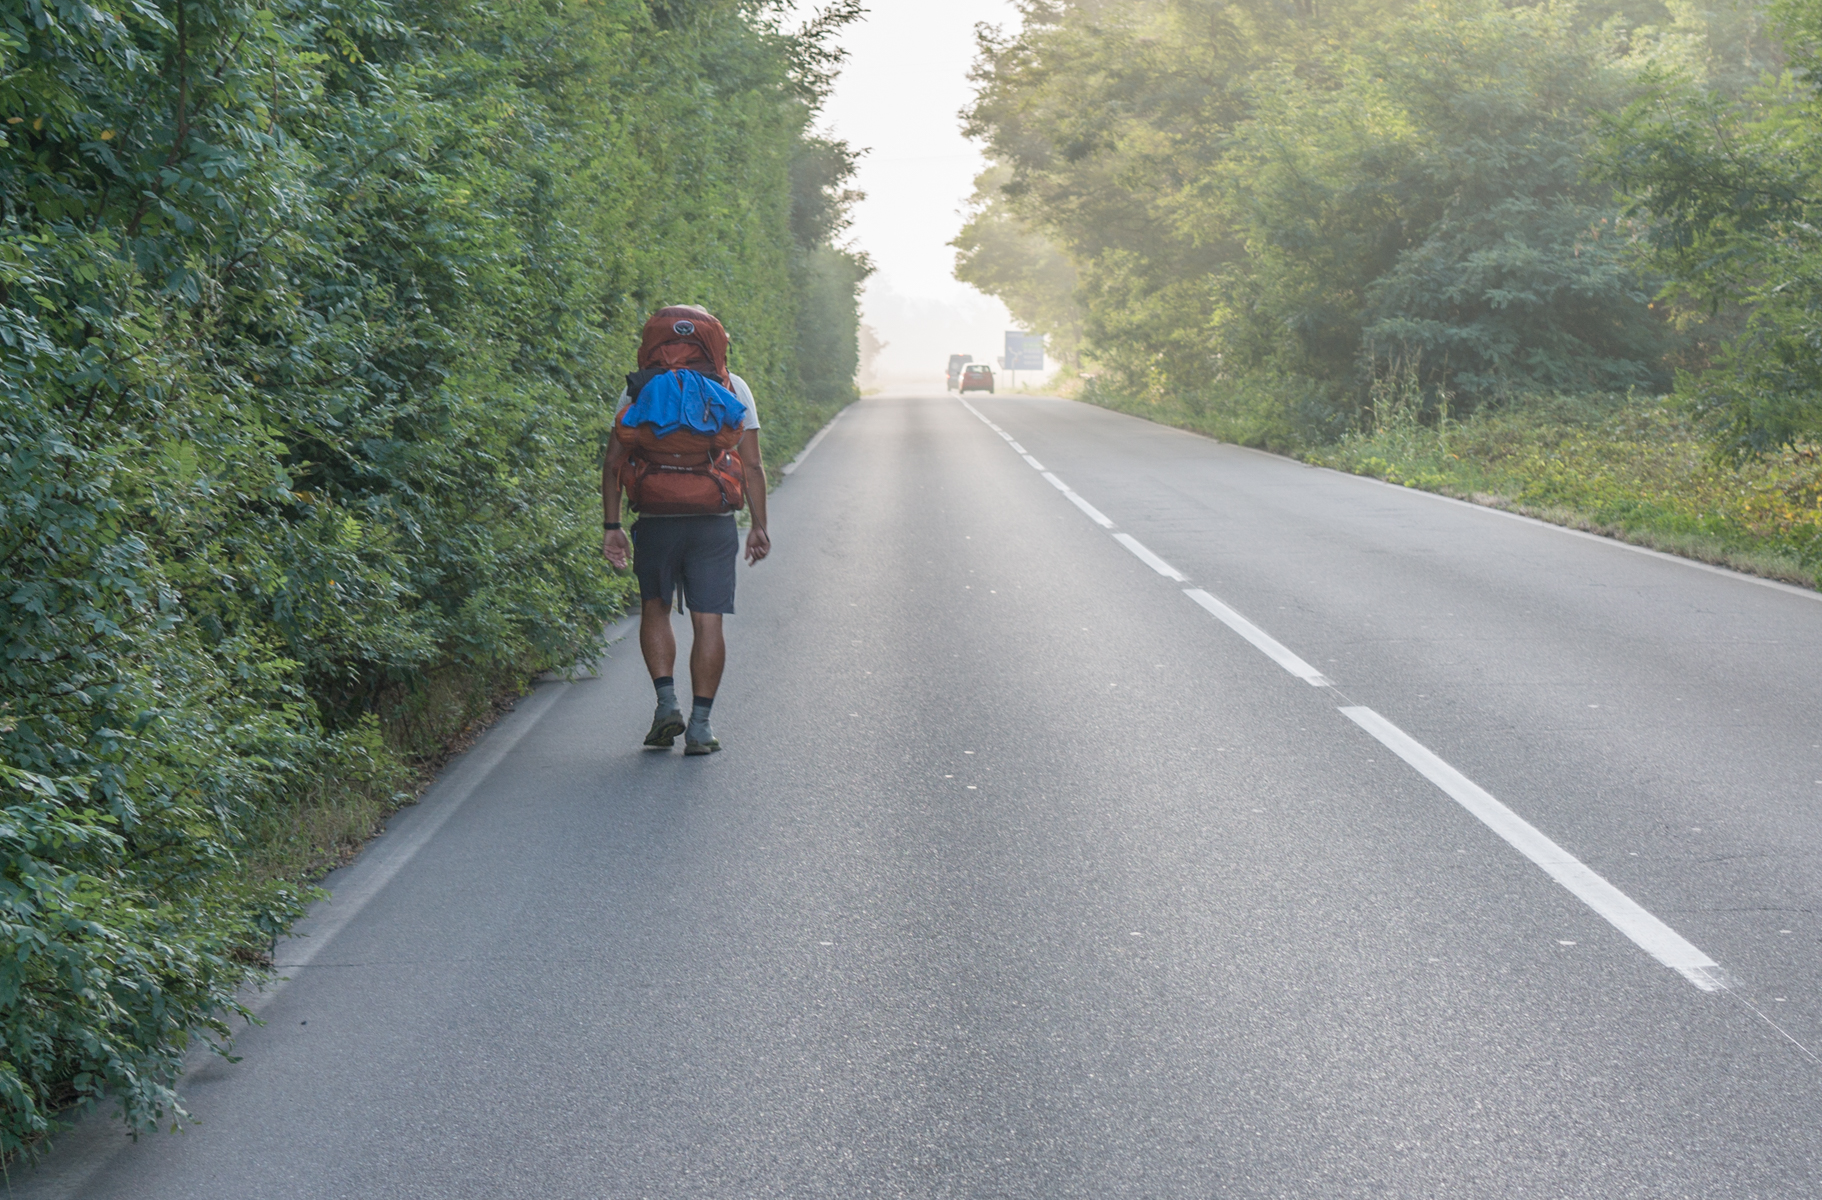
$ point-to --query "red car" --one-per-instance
(977, 377)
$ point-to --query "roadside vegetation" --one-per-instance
(312, 315)
(1556, 256)
(1639, 470)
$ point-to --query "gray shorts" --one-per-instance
(698, 553)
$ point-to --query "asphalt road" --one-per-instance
(1023, 875)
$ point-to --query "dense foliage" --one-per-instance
(1270, 209)
(1731, 184)
(311, 315)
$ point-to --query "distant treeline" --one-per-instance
(311, 316)
(1275, 215)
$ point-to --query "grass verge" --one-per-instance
(361, 776)
(1633, 470)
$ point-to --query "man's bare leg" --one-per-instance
(708, 656)
(657, 640)
(658, 643)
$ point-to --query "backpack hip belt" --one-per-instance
(701, 476)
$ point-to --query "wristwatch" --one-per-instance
(610, 525)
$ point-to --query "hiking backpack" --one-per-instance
(679, 470)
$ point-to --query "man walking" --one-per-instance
(685, 451)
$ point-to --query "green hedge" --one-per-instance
(311, 313)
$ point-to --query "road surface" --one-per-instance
(1106, 812)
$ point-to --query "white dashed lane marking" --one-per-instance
(1614, 906)
(1148, 558)
(1265, 642)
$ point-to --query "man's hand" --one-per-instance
(758, 544)
(614, 548)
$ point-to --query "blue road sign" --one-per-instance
(1024, 351)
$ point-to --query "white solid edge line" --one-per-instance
(94, 1140)
(1266, 643)
(1616, 907)
(1148, 558)
(1035, 464)
(813, 443)
(387, 855)
(1615, 543)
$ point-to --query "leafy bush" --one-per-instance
(311, 318)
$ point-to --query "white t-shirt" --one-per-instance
(742, 392)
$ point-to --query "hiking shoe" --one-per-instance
(667, 723)
(698, 739)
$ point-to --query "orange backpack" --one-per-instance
(685, 472)
(682, 473)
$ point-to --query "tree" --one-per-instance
(1001, 255)
(1266, 206)
(1732, 188)
(1429, 206)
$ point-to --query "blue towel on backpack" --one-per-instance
(685, 400)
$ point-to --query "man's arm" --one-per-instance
(759, 542)
(614, 546)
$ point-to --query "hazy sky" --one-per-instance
(905, 80)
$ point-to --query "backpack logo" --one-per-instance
(684, 328)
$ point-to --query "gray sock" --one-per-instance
(699, 720)
(667, 695)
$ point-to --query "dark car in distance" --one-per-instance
(977, 377)
(956, 363)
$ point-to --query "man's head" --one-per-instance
(685, 335)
